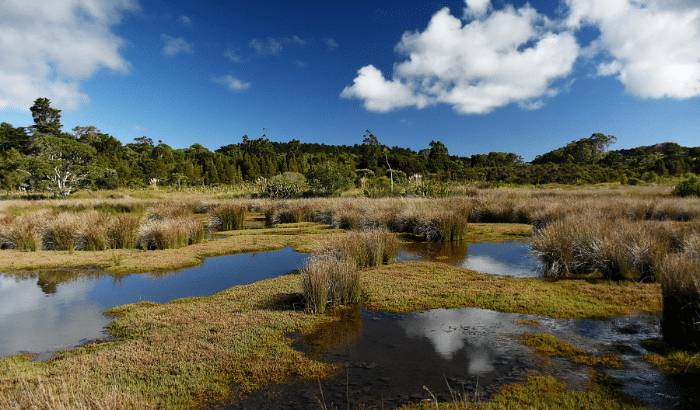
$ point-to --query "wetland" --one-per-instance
(470, 314)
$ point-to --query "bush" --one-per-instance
(688, 187)
(284, 186)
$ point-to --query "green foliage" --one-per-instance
(688, 187)
(330, 178)
(284, 186)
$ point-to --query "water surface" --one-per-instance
(510, 258)
(47, 311)
(386, 359)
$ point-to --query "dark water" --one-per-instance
(510, 258)
(388, 360)
(44, 312)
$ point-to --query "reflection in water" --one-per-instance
(44, 312)
(388, 358)
(494, 258)
(339, 333)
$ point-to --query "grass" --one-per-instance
(548, 345)
(228, 217)
(680, 284)
(410, 286)
(181, 354)
(670, 359)
(545, 392)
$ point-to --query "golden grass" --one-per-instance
(669, 359)
(184, 353)
(410, 286)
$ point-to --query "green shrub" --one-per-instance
(688, 187)
(284, 186)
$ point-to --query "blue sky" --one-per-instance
(478, 75)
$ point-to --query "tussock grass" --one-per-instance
(121, 231)
(680, 284)
(170, 233)
(364, 248)
(18, 233)
(227, 217)
(329, 280)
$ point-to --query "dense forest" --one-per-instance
(43, 157)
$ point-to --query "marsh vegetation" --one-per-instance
(605, 251)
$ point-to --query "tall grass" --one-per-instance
(121, 231)
(364, 248)
(18, 233)
(329, 280)
(617, 248)
(172, 233)
(680, 288)
(227, 217)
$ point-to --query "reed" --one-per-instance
(58, 233)
(228, 216)
(443, 225)
(680, 288)
(91, 235)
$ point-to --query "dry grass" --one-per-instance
(329, 280)
(680, 284)
(227, 217)
(364, 248)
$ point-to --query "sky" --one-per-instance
(477, 75)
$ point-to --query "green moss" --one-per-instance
(669, 359)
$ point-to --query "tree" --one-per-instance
(371, 152)
(11, 137)
(438, 157)
(47, 120)
(63, 164)
(329, 178)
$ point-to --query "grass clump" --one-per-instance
(549, 345)
(170, 233)
(227, 217)
(329, 280)
(18, 233)
(364, 248)
(680, 287)
(669, 359)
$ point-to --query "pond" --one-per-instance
(509, 258)
(386, 359)
(47, 311)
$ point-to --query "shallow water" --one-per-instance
(510, 258)
(386, 359)
(48, 311)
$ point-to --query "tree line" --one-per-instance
(43, 157)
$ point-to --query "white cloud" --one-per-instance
(232, 83)
(185, 21)
(652, 46)
(476, 8)
(508, 56)
(174, 46)
(332, 44)
(49, 46)
(274, 46)
(234, 55)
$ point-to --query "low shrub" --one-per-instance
(688, 187)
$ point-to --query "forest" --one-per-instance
(44, 159)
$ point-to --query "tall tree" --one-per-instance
(47, 120)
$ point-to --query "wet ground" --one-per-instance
(388, 360)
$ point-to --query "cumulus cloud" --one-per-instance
(232, 83)
(651, 46)
(174, 46)
(476, 8)
(48, 47)
(505, 56)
